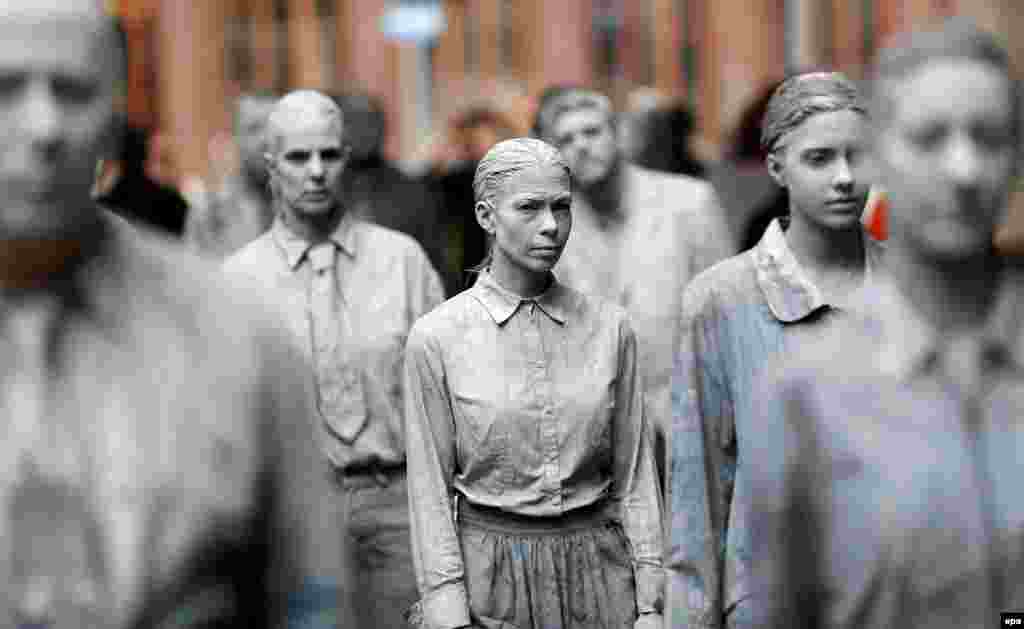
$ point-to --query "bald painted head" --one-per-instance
(306, 155)
(60, 74)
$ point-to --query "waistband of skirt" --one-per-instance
(500, 521)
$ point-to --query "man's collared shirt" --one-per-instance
(882, 489)
(532, 406)
(673, 229)
(384, 283)
(151, 470)
(738, 314)
(227, 222)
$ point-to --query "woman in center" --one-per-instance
(532, 487)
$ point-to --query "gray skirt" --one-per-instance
(568, 572)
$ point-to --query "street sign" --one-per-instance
(413, 21)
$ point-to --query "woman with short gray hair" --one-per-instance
(532, 490)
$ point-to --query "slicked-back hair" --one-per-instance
(802, 96)
(956, 38)
(509, 157)
(318, 101)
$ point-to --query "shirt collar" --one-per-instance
(910, 345)
(790, 294)
(295, 248)
(502, 303)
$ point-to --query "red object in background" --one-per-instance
(876, 214)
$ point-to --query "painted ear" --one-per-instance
(485, 216)
(776, 169)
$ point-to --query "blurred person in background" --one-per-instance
(547, 95)
(136, 196)
(750, 197)
(239, 209)
(534, 499)
(656, 133)
(794, 287)
(471, 133)
(377, 191)
(639, 237)
(350, 291)
(156, 463)
(882, 468)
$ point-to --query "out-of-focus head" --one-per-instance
(250, 127)
(744, 146)
(655, 131)
(640, 123)
(365, 124)
(946, 141)
(61, 76)
(581, 124)
(523, 198)
(814, 132)
(476, 129)
(547, 95)
(305, 154)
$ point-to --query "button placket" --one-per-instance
(549, 430)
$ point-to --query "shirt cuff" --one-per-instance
(447, 607)
(650, 588)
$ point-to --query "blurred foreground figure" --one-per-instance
(796, 286)
(883, 470)
(377, 191)
(239, 211)
(350, 291)
(156, 463)
(638, 238)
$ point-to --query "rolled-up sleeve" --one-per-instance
(430, 433)
(635, 481)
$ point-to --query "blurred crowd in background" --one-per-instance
(690, 78)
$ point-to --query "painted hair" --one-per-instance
(509, 157)
(568, 100)
(802, 96)
(299, 103)
(955, 38)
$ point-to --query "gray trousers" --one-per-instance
(373, 512)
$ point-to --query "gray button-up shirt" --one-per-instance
(737, 315)
(882, 489)
(384, 282)
(157, 467)
(533, 406)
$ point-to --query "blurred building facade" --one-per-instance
(190, 59)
